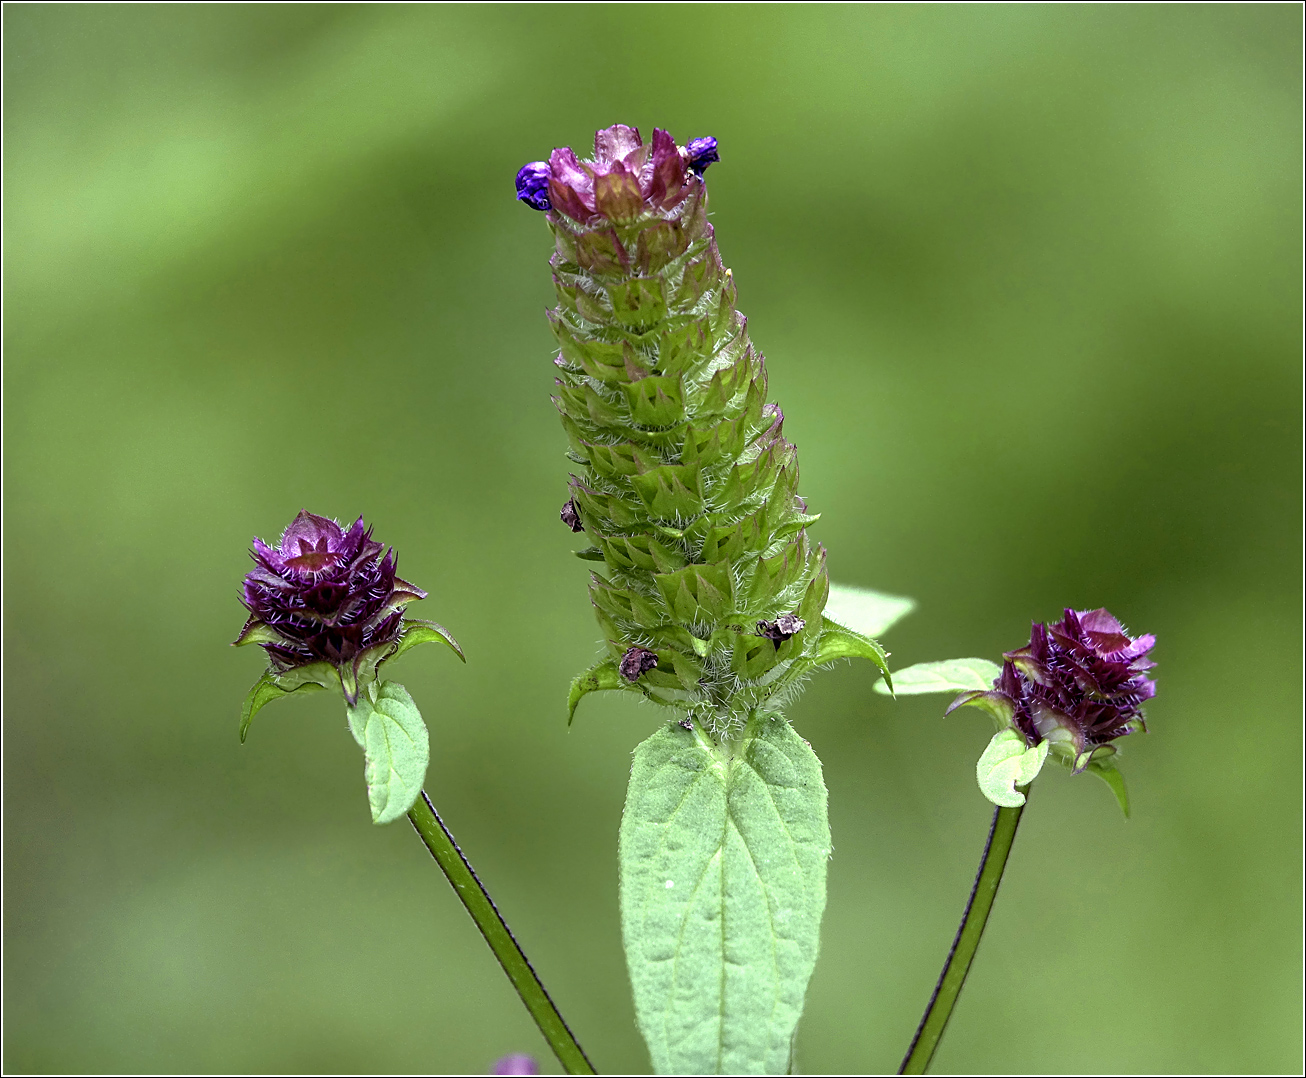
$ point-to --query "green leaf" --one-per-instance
(723, 858)
(600, 676)
(950, 675)
(838, 642)
(263, 692)
(1007, 763)
(591, 553)
(871, 613)
(396, 749)
(1110, 774)
(419, 631)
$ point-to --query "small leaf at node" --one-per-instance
(600, 676)
(838, 642)
(419, 631)
(396, 748)
(1110, 774)
(871, 613)
(950, 675)
(263, 692)
(1007, 763)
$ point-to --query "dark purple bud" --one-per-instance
(570, 517)
(323, 594)
(636, 662)
(517, 1063)
(780, 630)
(533, 185)
(700, 153)
(1079, 683)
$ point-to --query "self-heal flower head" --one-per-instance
(1078, 684)
(624, 178)
(325, 597)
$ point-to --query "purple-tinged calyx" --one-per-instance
(1079, 684)
(571, 517)
(533, 185)
(325, 598)
(636, 662)
(624, 178)
(699, 153)
(780, 630)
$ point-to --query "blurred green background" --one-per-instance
(1028, 279)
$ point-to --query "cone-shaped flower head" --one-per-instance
(711, 594)
(325, 595)
(1079, 684)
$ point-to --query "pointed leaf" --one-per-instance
(263, 692)
(1007, 763)
(1110, 774)
(600, 676)
(838, 642)
(950, 675)
(871, 613)
(723, 859)
(396, 748)
(419, 631)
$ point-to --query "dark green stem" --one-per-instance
(498, 935)
(1002, 833)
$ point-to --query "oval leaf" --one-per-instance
(723, 861)
(871, 613)
(396, 749)
(950, 675)
(1006, 764)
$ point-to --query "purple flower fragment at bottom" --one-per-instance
(517, 1063)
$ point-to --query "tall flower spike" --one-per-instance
(686, 483)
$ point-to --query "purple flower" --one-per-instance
(325, 595)
(533, 185)
(517, 1063)
(780, 630)
(1080, 683)
(625, 177)
(700, 153)
(636, 662)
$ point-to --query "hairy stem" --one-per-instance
(1002, 832)
(426, 821)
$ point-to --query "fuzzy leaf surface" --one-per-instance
(396, 748)
(838, 642)
(600, 676)
(950, 675)
(723, 860)
(871, 613)
(419, 631)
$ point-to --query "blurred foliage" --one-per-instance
(1028, 281)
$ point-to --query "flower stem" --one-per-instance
(1002, 832)
(426, 821)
